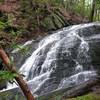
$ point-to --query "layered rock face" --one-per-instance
(66, 58)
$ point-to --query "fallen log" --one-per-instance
(82, 89)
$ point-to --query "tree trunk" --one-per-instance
(92, 11)
(18, 78)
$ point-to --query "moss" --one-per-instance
(87, 97)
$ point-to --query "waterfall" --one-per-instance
(62, 59)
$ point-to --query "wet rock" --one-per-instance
(58, 58)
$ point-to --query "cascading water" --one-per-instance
(62, 59)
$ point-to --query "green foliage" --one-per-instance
(2, 25)
(24, 50)
(7, 95)
(37, 12)
(4, 22)
(40, 16)
(87, 97)
(83, 7)
(8, 32)
(6, 75)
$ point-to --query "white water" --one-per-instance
(76, 79)
(48, 50)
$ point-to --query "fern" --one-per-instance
(6, 75)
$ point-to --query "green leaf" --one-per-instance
(6, 75)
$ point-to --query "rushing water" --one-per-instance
(62, 59)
